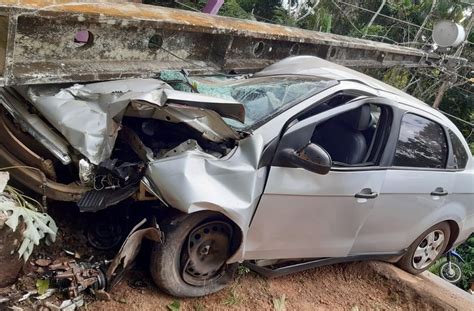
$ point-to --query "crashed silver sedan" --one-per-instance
(302, 164)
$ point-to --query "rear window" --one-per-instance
(421, 143)
(459, 152)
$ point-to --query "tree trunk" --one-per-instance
(439, 95)
(374, 17)
(420, 30)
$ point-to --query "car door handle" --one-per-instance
(439, 192)
(366, 193)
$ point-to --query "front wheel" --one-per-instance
(191, 262)
(451, 272)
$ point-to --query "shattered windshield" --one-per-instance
(263, 97)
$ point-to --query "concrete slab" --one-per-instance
(427, 286)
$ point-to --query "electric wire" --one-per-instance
(457, 118)
(386, 16)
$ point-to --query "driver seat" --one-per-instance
(342, 135)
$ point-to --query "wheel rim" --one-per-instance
(428, 249)
(206, 252)
(452, 276)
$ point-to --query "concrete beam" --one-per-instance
(37, 43)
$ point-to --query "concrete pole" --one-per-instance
(446, 84)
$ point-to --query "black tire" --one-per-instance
(407, 261)
(166, 264)
(455, 277)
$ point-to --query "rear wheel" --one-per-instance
(191, 262)
(429, 246)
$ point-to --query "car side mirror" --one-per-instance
(311, 157)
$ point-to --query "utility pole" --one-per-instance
(447, 80)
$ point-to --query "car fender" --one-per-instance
(452, 211)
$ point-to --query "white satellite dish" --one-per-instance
(448, 34)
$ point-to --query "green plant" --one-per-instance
(279, 303)
(174, 306)
(466, 250)
(42, 286)
(18, 210)
(233, 298)
(242, 270)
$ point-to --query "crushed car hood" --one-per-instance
(89, 115)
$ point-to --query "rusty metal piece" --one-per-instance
(34, 180)
(144, 195)
(73, 278)
(39, 42)
(9, 139)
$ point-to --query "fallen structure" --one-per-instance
(63, 41)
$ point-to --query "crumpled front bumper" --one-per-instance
(30, 169)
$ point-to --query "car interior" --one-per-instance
(355, 137)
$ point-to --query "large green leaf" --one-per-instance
(37, 225)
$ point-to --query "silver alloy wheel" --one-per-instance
(428, 249)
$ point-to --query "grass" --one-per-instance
(279, 303)
(199, 306)
(233, 298)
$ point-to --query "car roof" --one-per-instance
(315, 66)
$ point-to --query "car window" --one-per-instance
(459, 152)
(353, 138)
(421, 143)
(263, 97)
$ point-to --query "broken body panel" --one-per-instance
(89, 117)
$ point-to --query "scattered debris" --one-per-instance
(66, 305)
(43, 262)
(73, 278)
(4, 299)
(102, 295)
(49, 292)
(27, 295)
(76, 255)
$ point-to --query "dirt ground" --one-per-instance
(340, 287)
(355, 286)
